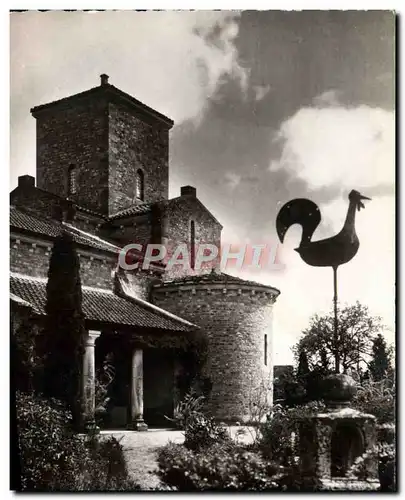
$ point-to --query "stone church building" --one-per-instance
(102, 175)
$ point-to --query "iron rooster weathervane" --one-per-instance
(331, 252)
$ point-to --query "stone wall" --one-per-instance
(27, 197)
(128, 231)
(177, 230)
(31, 257)
(137, 283)
(236, 321)
(75, 135)
(135, 144)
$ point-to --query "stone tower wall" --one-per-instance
(75, 135)
(236, 321)
(136, 144)
(107, 136)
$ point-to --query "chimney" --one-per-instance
(104, 79)
(188, 191)
(26, 181)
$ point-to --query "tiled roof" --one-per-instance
(47, 227)
(100, 305)
(214, 277)
(111, 91)
(134, 210)
(79, 208)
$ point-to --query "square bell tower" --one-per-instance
(103, 149)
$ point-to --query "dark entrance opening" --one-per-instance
(115, 400)
(347, 444)
(158, 386)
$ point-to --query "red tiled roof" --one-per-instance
(48, 227)
(100, 305)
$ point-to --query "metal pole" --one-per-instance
(336, 339)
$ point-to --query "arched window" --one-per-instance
(72, 180)
(192, 245)
(139, 185)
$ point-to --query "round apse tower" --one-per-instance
(237, 318)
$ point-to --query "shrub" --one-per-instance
(378, 399)
(105, 376)
(360, 467)
(387, 466)
(105, 469)
(217, 468)
(190, 405)
(54, 458)
(279, 434)
(202, 431)
(48, 449)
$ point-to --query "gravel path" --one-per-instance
(141, 450)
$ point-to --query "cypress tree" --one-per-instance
(64, 330)
(303, 365)
(380, 364)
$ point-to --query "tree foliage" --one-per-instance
(64, 329)
(377, 398)
(356, 332)
(303, 365)
(380, 365)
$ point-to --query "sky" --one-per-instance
(268, 106)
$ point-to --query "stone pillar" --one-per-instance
(137, 422)
(88, 380)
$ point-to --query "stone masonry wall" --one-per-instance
(138, 230)
(177, 230)
(41, 202)
(235, 322)
(47, 205)
(32, 259)
(75, 135)
(135, 144)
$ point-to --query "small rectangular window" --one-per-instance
(265, 349)
(192, 245)
(139, 185)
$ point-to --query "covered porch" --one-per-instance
(144, 345)
(143, 366)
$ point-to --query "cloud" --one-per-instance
(335, 149)
(260, 91)
(174, 61)
(234, 180)
(327, 98)
(335, 146)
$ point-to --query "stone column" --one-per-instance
(137, 422)
(88, 380)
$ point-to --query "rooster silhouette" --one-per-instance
(331, 252)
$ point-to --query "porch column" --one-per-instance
(88, 380)
(137, 422)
